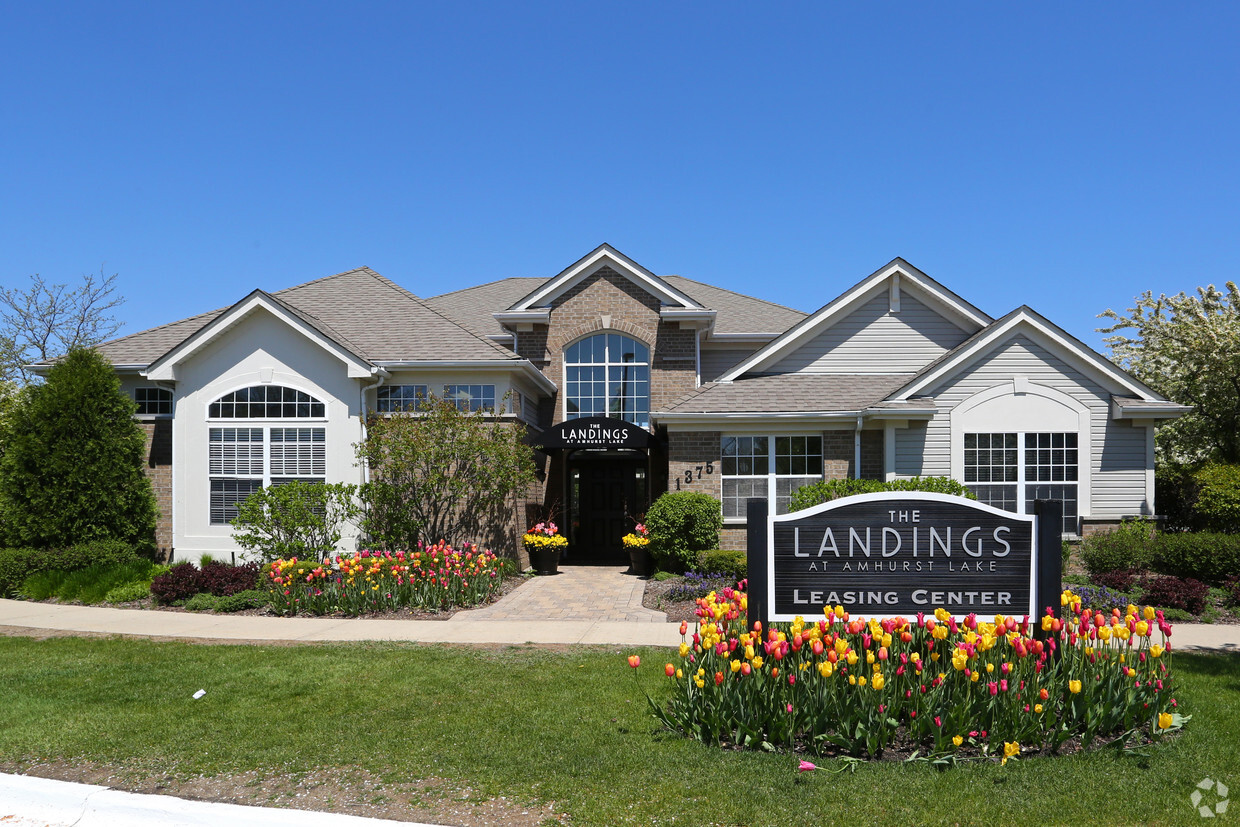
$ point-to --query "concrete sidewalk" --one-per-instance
(28, 801)
(459, 629)
(102, 620)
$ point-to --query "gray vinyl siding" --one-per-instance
(911, 450)
(872, 339)
(1117, 450)
(715, 362)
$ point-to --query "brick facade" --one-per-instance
(158, 451)
(608, 301)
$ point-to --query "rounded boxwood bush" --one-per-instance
(681, 524)
(728, 562)
(1130, 546)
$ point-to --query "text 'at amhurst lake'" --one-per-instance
(878, 554)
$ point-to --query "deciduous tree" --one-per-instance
(443, 474)
(1187, 347)
(46, 321)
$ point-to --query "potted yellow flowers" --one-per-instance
(638, 544)
(544, 544)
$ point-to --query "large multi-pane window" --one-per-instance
(400, 398)
(153, 401)
(608, 374)
(471, 397)
(241, 460)
(1011, 470)
(767, 466)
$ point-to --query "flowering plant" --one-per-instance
(949, 686)
(434, 576)
(635, 540)
(545, 535)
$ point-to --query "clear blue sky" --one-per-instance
(1062, 155)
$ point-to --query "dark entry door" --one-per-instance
(610, 496)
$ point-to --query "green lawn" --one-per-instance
(538, 724)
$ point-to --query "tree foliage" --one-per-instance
(71, 467)
(442, 474)
(296, 519)
(46, 321)
(1187, 347)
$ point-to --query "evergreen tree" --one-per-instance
(71, 461)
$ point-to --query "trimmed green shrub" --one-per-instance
(17, 564)
(72, 465)
(1212, 558)
(1129, 546)
(734, 564)
(128, 592)
(296, 519)
(201, 602)
(808, 496)
(239, 602)
(681, 524)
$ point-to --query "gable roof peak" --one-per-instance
(947, 303)
(603, 255)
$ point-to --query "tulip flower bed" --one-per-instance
(932, 686)
(429, 577)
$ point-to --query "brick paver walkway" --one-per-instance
(577, 593)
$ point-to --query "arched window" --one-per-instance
(266, 402)
(608, 374)
(241, 460)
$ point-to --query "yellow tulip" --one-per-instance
(879, 681)
(1164, 720)
(1156, 651)
(958, 740)
(1074, 687)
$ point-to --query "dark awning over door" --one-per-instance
(594, 432)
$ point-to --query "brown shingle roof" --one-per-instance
(790, 393)
(735, 313)
(472, 307)
(362, 310)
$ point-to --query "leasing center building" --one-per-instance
(631, 384)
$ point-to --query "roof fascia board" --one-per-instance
(1080, 356)
(727, 339)
(604, 255)
(509, 318)
(165, 367)
(522, 365)
(1153, 410)
(839, 307)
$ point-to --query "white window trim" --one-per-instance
(770, 476)
(648, 364)
(1039, 401)
(221, 421)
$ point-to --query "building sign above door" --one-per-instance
(594, 432)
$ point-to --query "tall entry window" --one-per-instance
(241, 460)
(608, 374)
(1011, 470)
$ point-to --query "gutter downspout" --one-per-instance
(383, 375)
(857, 448)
